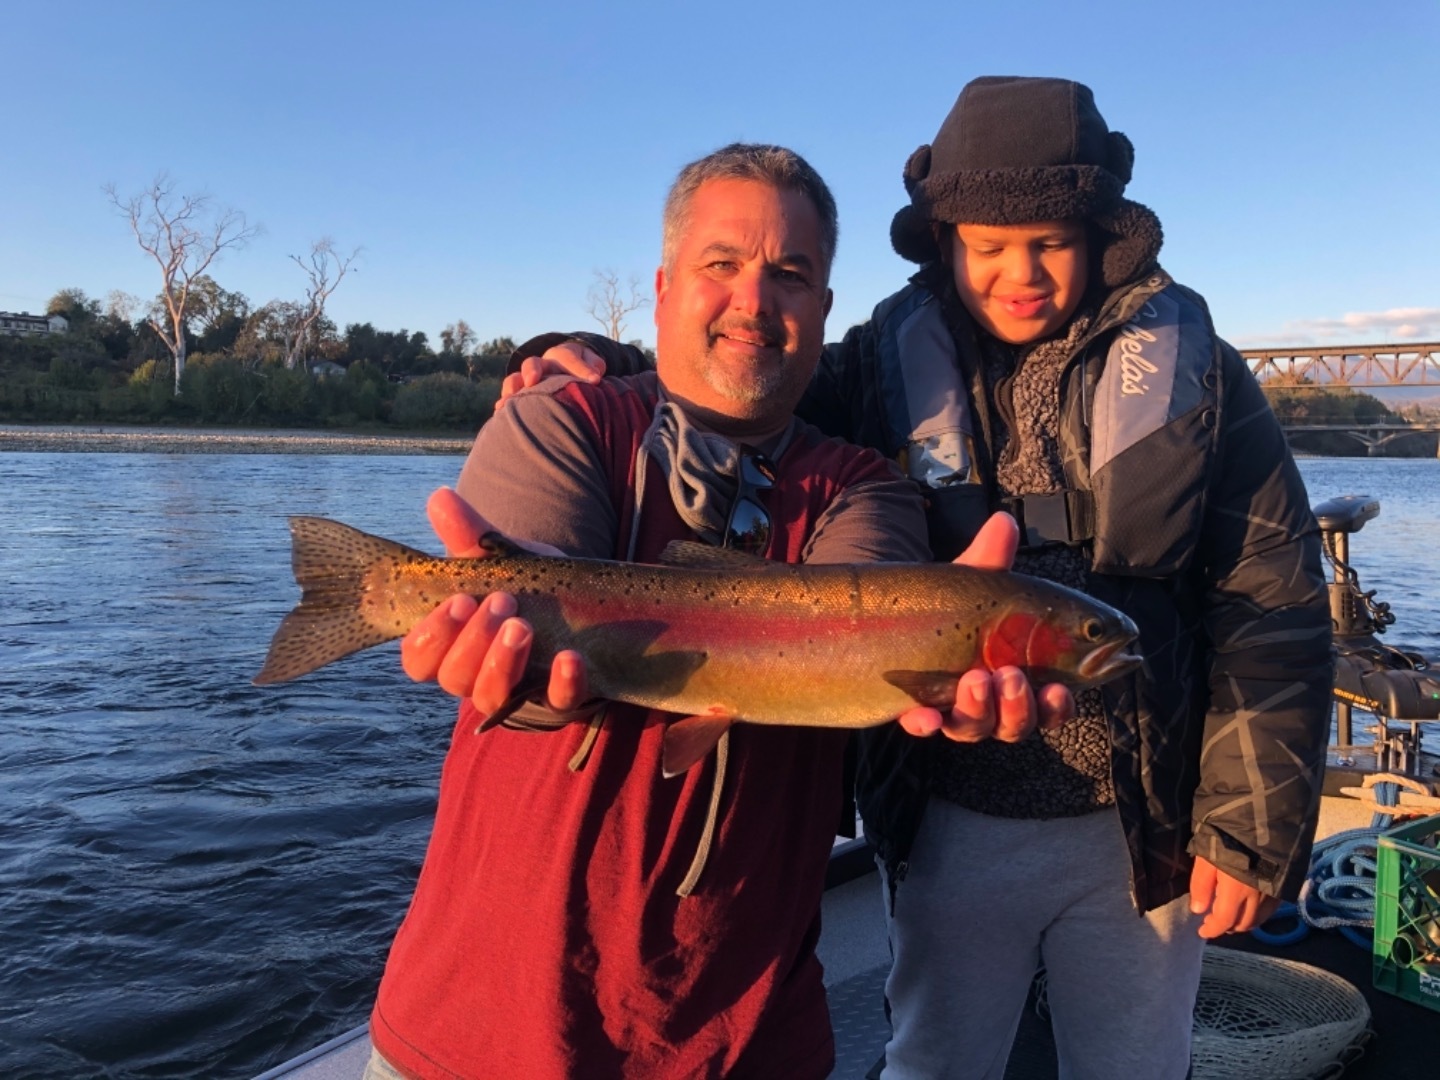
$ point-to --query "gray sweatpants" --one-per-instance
(988, 900)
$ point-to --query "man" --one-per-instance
(1041, 361)
(578, 914)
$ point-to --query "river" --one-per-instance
(199, 877)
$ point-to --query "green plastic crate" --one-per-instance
(1407, 912)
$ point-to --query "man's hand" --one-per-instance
(478, 650)
(999, 704)
(1229, 905)
(567, 358)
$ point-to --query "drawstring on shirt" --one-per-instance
(712, 815)
(677, 439)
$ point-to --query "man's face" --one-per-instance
(740, 312)
(1020, 282)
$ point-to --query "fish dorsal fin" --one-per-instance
(693, 556)
(687, 741)
(935, 689)
(494, 544)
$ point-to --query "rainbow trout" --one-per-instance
(714, 635)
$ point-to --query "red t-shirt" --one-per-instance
(545, 938)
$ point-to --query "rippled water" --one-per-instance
(198, 877)
(201, 878)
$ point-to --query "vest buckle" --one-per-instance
(1061, 517)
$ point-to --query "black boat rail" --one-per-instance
(1394, 685)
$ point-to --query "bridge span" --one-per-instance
(1325, 367)
(1372, 436)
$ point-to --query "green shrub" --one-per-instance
(446, 402)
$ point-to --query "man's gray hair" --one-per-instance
(782, 169)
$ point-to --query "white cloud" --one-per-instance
(1354, 328)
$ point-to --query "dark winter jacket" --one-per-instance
(1200, 531)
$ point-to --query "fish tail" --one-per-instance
(332, 564)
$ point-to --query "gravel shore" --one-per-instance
(17, 438)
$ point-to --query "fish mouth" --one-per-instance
(1106, 662)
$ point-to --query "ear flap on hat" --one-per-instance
(917, 168)
(1132, 246)
(1120, 156)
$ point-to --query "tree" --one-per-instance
(261, 339)
(397, 353)
(115, 327)
(608, 306)
(322, 262)
(78, 309)
(458, 339)
(184, 234)
(218, 313)
(490, 358)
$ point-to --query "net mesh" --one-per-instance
(1267, 1018)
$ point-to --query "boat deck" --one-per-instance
(856, 957)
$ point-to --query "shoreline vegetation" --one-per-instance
(120, 438)
(367, 390)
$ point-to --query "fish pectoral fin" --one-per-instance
(687, 741)
(529, 687)
(693, 556)
(934, 689)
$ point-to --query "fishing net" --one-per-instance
(1265, 1018)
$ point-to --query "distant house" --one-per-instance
(325, 368)
(24, 323)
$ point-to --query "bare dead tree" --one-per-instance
(121, 305)
(183, 234)
(322, 262)
(458, 338)
(608, 305)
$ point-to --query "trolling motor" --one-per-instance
(1395, 686)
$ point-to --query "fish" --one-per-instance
(715, 635)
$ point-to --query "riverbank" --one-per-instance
(60, 438)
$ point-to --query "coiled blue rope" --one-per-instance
(1339, 891)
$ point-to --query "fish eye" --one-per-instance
(1093, 629)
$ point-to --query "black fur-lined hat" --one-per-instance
(1016, 150)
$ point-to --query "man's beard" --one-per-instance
(759, 382)
(749, 388)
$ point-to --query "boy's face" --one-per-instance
(1020, 282)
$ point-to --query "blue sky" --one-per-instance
(490, 157)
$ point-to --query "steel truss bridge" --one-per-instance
(1329, 367)
(1335, 367)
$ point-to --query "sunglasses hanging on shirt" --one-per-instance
(747, 528)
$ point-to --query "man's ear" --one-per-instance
(660, 285)
(829, 299)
